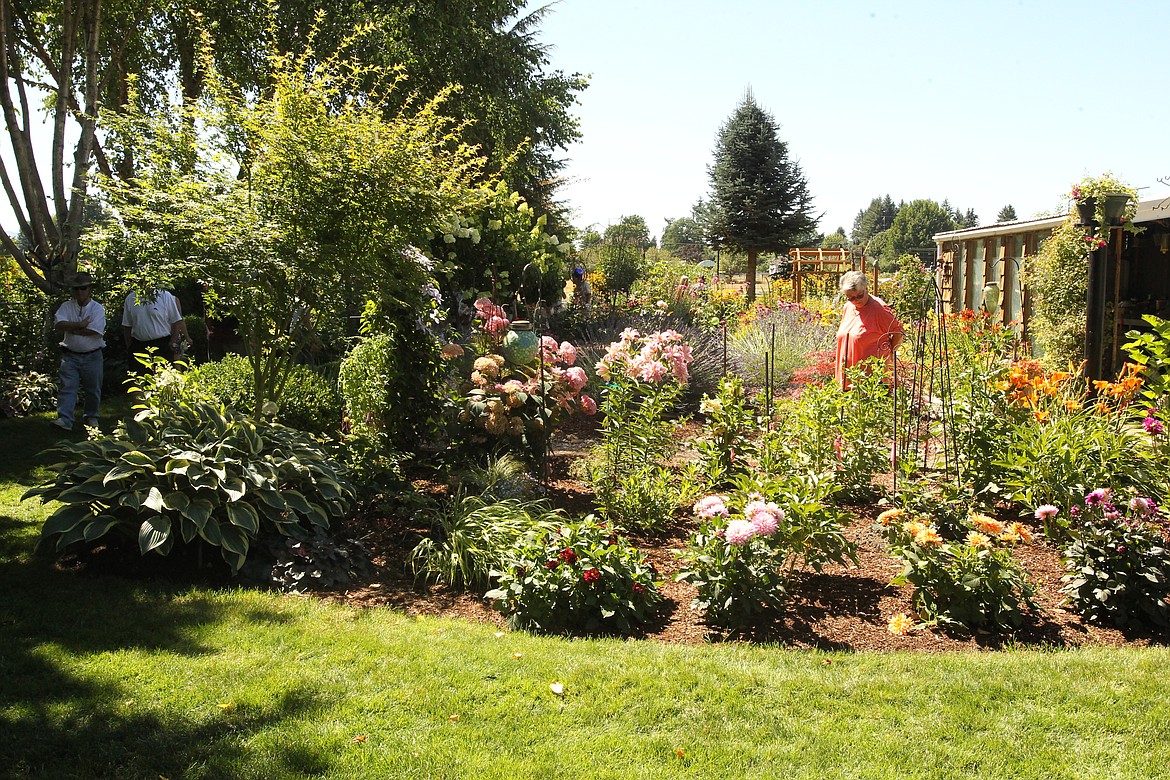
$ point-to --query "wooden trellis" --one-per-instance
(825, 264)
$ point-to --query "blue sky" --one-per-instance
(982, 104)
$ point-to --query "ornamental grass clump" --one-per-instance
(964, 583)
(777, 338)
(1118, 562)
(580, 576)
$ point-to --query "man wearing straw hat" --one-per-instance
(81, 321)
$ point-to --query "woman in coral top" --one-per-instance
(868, 326)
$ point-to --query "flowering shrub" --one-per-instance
(966, 583)
(1118, 563)
(522, 404)
(632, 478)
(740, 561)
(580, 576)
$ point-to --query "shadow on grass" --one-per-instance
(58, 724)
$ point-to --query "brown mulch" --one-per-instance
(840, 608)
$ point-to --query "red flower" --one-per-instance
(639, 588)
(552, 564)
(569, 555)
(591, 575)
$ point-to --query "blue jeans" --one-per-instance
(80, 371)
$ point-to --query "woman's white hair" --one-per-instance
(854, 280)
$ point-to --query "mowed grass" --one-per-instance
(109, 677)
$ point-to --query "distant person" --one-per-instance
(82, 322)
(868, 327)
(157, 322)
(582, 293)
(683, 289)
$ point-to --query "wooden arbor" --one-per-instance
(822, 262)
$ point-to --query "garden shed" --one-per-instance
(1135, 274)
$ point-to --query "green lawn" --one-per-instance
(106, 677)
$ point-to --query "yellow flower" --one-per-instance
(900, 624)
(890, 514)
(1009, 536)
(988, 525)
(976, 539)
(1021, 531)
(927, 536)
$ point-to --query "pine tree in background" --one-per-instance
(1007, 214)
(761, 198)
(877, 217)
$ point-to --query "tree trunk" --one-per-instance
(750, 288)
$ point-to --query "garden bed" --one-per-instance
(840, 608)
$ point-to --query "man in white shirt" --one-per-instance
(157, 323)
(82, 323)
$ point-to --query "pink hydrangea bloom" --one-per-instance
(576, 378)
(711, 506)
(739, 532)
(568, 353)
(496, 325)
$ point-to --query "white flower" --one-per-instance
(448, 238)
(474, 235)
(495, 224)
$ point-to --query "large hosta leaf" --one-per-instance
(153, 533)
(100, 526)
(66, 519)
(235, 488)
(154, 500)
(244, 516)
(198, 511)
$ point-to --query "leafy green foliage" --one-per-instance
(1057, 279)
(830, 431)
(577, 576)
(308, 403)
(27, 392)
(965, 584)
(725, 446)
(294, 207)
(24, 329)
(389, 384)
(914, 228)
(474, 536)
(1118, 563)
(1150, 349)
(308, 559)
(184, 470)
(1059, 459)
(914, 297)
(876, 218)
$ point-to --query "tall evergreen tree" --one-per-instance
(761, 198)
(877, 217)
(1006, 214)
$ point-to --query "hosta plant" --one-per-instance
(1118, 562)
(580, 576)
(965, 583)
(183, 470)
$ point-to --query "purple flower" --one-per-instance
(1152, 425)
(1097, 497)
